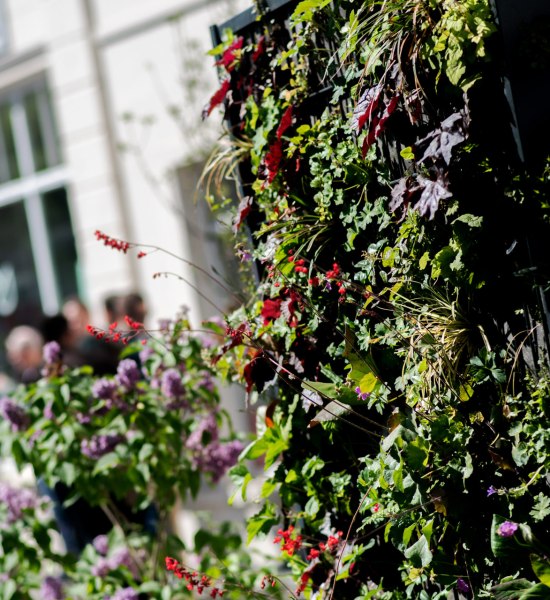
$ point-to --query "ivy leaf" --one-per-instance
(541, 509)
(419, 553)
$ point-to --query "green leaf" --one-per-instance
(331, 412)
(509, 589)
(537, 592)
(407, 153)
(261, 522)
(306, 7)
(8, 589)
(312, 506)
(241, 477)
(541, 568)
(419, 553)
(541, 508)
(107, 462)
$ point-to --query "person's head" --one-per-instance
(77, 315)
(134, 307)
(24, 348)
(56, 329)
(114, 307)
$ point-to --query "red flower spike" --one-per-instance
(230, 55)
(260, 49)
(171, 563)
(272, 160)
(286, 122)
(217, 98)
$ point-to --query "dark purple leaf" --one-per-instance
(432, 193)
(365, 107)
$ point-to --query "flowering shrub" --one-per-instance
(123, 443)
(400, 418)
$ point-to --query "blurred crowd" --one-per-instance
(23, 344)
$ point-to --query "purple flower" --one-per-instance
(122, 557)
(83, 418)
(14, 413)
(101, 568)
(127, 373)
(48, 411)
(51, 353)
(491, 490)
(126, 594)
(507, 529)
(462, 586)
(361, 395)
(16, 501)
(101, 544)
(52, 589)
(171, 385)
(206, 432)
(145, 354)
(104, 389)
(217, 458)
(99, 445)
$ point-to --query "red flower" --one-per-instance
(286, 122)
(217, 98)
(272, 160)
(230, 55)
(271, 310)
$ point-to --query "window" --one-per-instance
(3, 30)
(38, 262)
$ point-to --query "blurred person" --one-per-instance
(134, 307)
(77, 315)
(57, 329)
(24, 353)
(100, 354)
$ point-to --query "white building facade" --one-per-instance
(100, 129)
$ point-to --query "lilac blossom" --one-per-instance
(125, 594)
(101, 544)
(206, 431)
(127, 373)
(462, 586)
(99, 445)
(52, 589)
(16, 501)
(14, 413)
(145, 354)
(48, 411)
(51, 353)
(507, 529)
(171, 385)
(122, 557)
(102, 568)
(104, 389)
(491, 490)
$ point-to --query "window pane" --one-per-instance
(35, 132)
(62, 246)
(10, 170)
(19, 295)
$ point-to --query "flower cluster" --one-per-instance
(52, 589)
(195, 581)
(127, 374)
(209, 454)
(121, 557)
(99, 445)
(507, 529)
(16, 501)
(112, 242)
(14, 413)
(290, 543)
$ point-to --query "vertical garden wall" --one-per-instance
(394, 344)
